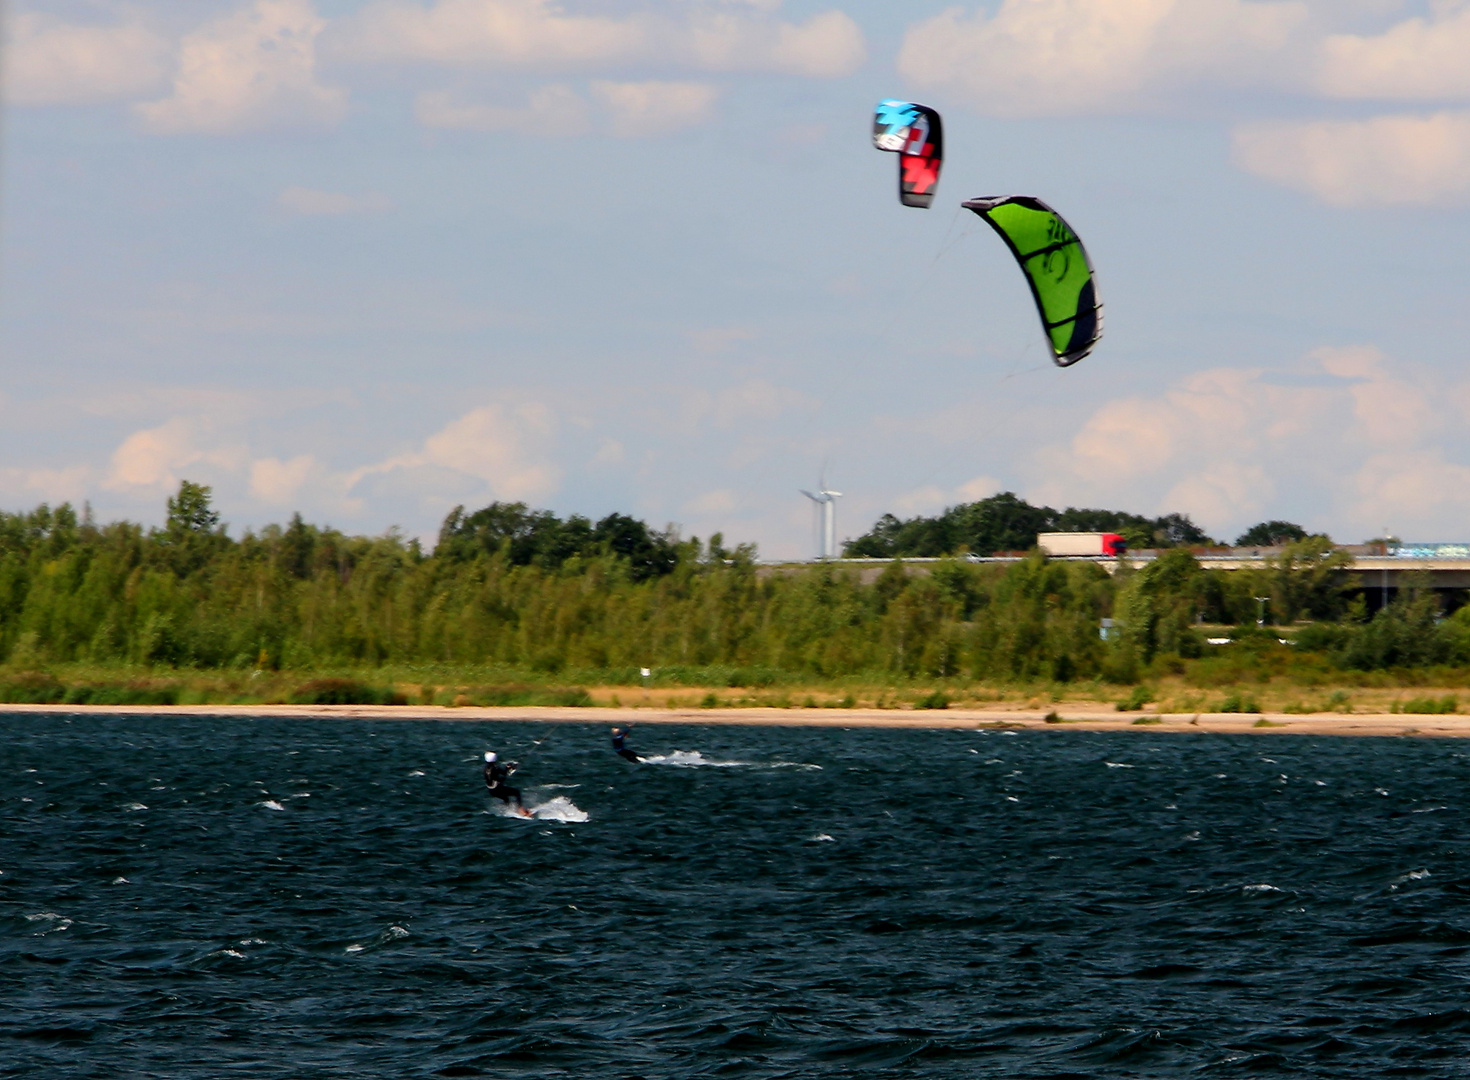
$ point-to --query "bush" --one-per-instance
(121, 694)
(1140, 697)
(32, 688)
(935, 699)
(572, 697)
(344, 692)
(1429, 705)
(1239, 703)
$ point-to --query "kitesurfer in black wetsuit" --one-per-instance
(497, 775)
(619, 735)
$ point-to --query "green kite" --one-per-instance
(1056, 266)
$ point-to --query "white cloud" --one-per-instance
(827, 45)
(502, 448)
(539, 33)
(154, 457)
(278, 482)
(1053, 57)
(1353, 438)
(554, 109)
(51, 62)
(1385, 160)
(719, 501)
(1418, 59)
(312, 203)
(649, 109)
(255, 68)
(66, 484)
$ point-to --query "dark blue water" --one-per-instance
(874, 903)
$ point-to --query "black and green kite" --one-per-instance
(1056, 266)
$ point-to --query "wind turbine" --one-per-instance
(827, 500)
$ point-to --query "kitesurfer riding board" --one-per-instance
(619, 737)
(497, 777)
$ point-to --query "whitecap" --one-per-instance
(794, 765)
(560, 808)
(271, 804)
(53, 921)
(394, 932)
(689, 759)
(417, 772)
(1412, 875)
(1380, 791)
(135, 806)
(820, 838)
(121, 881)
(1116, 765)
(236, 953)
(1012, 798)
(1256, 890)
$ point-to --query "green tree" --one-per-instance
(1271, 534)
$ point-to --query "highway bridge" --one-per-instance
(1379, 570)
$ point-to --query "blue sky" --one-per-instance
(370, 261)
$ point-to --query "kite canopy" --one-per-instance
(1057, 267)
(916, 134)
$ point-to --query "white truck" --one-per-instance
(1081, 543)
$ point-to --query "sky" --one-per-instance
(371, 261)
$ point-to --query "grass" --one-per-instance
(1431, 706)
(1427, 692)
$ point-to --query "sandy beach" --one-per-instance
(1377, 724)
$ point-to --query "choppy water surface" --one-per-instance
(202, 898)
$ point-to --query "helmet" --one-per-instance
(489, 755)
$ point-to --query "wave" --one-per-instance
(690, 759)
(50, 922)
(392, 933)
(560, 808)
(693, 759)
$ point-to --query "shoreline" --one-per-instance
(1268, 723)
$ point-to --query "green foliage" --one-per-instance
(1238, 703)
(1140, 697)
(1006, 522)
(334, 691)
(1432, 706)
(934, 699)
(1271, 534)
(525, 537)
(520, 594)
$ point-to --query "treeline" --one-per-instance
(1006, 522)
(526, 591)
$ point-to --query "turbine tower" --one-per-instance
(827, 500)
